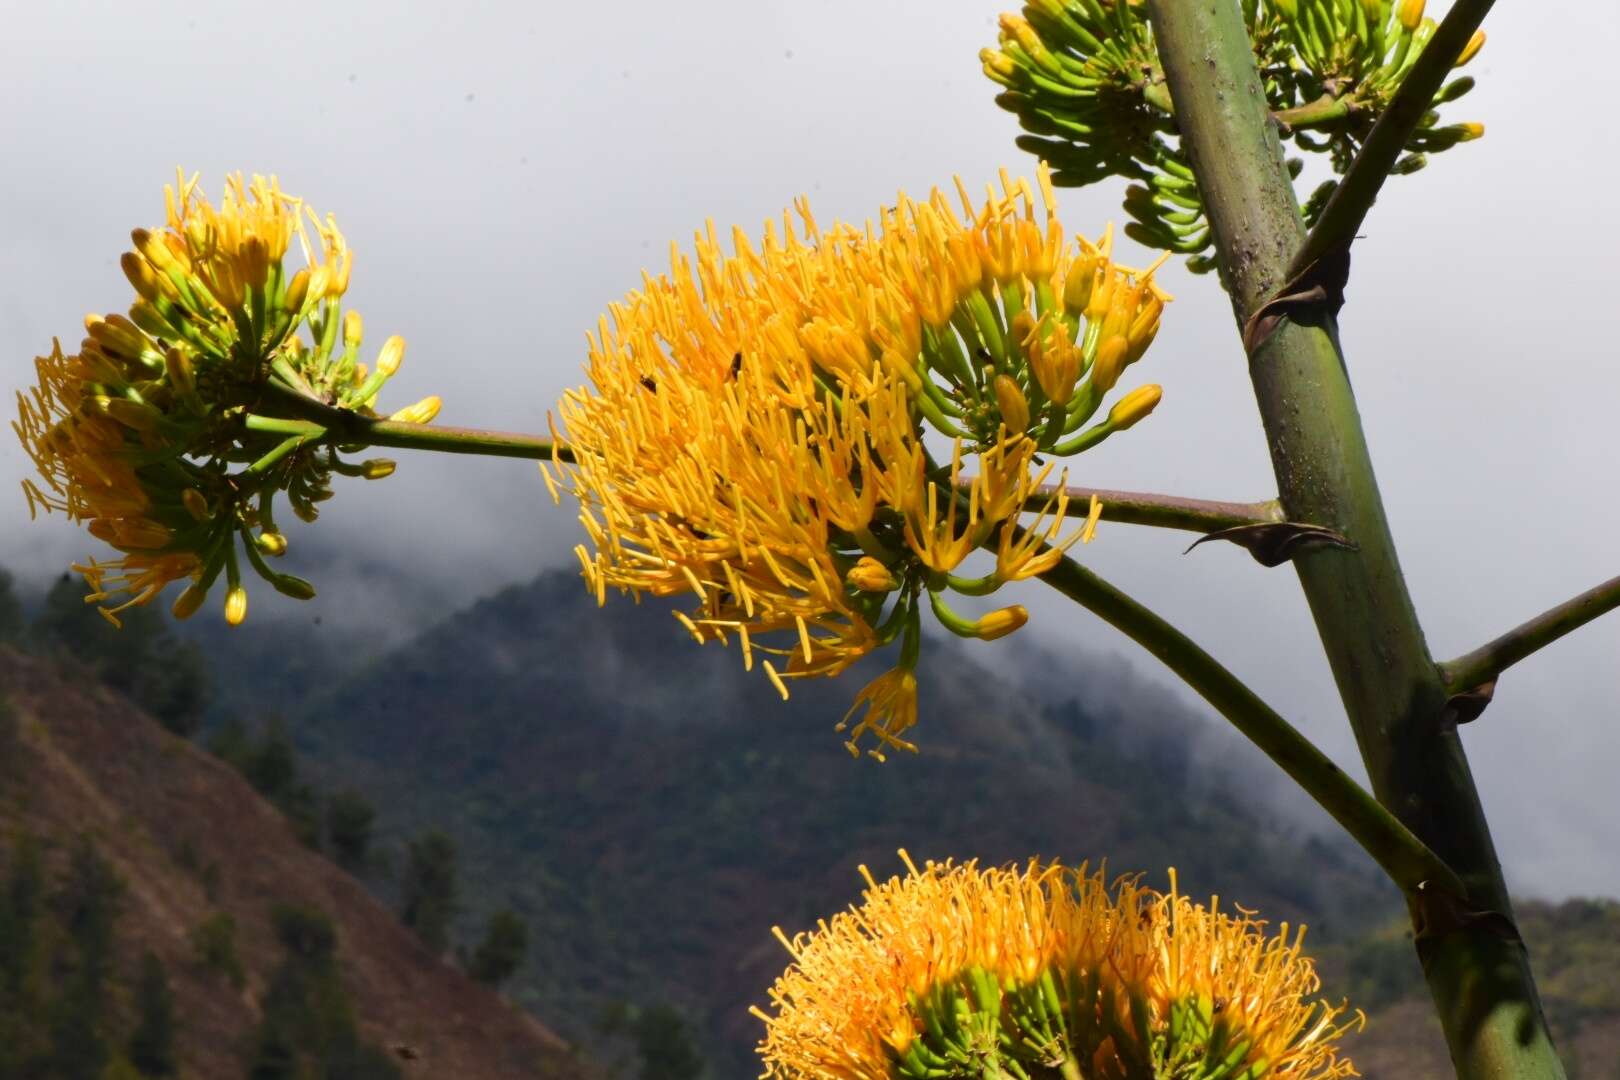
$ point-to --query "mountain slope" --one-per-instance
(653, 810)
(191, 841)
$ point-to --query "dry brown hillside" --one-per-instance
(190, 838)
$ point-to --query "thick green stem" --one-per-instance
(1348, 206)
(1402, 855)
(1390, 686)
(1491, 659)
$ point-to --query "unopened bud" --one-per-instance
(140, 274)
(1102, 294)
(1475, 43)
(1023, 325)
(1018, 28)
(149, 319)
(318, 280)
(1410, 13)
(271, 543)
(1470, 131)
(254, 259)
(393, 351)
(997, 65)
(1001, 622)
(295, 587)
(181, 373)
(377, 468)
(1105, 370)
(116, 335)
(1134, 406)
(187, 603)
(1145, 325)
(869, 575)
(153, 247)
(353, 326)
(297, 289)
(1082, 278)
(236, 606)
(422, 412)
(339, 283)
(195, 504)
(1014, 408)
(135, 415)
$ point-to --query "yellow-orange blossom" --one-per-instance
(753, 430)
(1136, 979)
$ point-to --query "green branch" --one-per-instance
(1347, 207)
(1324, 110)
(1491, 659)
(347, 426)
(1161, 511)
(1392, 845)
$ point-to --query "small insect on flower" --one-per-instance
(171, 432)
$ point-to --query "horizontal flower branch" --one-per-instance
(1151, 508)
(1162, 511)
(1491, 659)
(345, 425)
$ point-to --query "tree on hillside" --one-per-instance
(661, 1036)
(87, 904)
(143, 660)
(151, 1044)
(666, 1046)
(24, 1042)
(349, 820)
(308, 1027)
(12, 623)
(271, 766)
(429, 891)
(213, 945)
(501, 953)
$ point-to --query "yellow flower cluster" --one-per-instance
(139, 433)
(754, 429)
(954, 971)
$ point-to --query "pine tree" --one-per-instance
(87, 902)
(349, 820)
(665, 1044)
(500, 954)
(151, 1045)
(12, 623)
(430, 888)
(24, 1031)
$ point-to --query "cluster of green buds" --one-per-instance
(172, 431)
(1083, 78)
(1036, 357)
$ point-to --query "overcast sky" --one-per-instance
(505, 171)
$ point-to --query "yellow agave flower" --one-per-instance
(954, 971)
(754, 429)
(141, 432)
